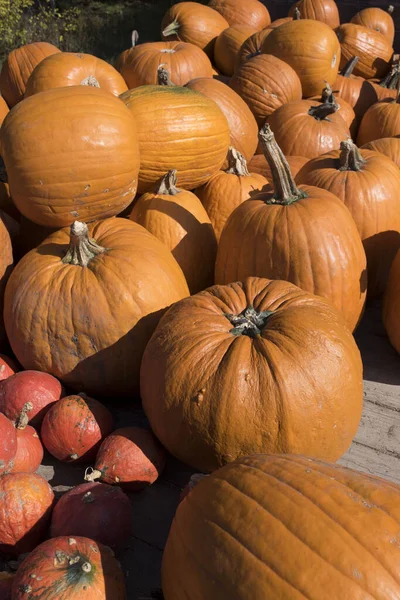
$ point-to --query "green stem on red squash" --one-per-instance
(167, 186)
(350, 157)
(237, 163)
(349, 67)
(82, 249)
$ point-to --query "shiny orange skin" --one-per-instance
(92, 174)
(390, 314)
(228, 45)
(72, 68)
(298, 43)
(18, 67)
(259, 164)
(297, 243)
(273, 382)
(242, 124)
(199, 25)
(373, 48)
(319, 10)
(191, 129)
(8, 444)
(265, 83)
(109, 310)
(26, 502)
(252, 46)
(130, 457)
(381, 120)
(183, 62)
(6, 266)
(29, 455)
(224, 192)
(6, 581)
(372, 196)
(262, 526)
(73, 429)
(58, 563)
(181, 223)
(300, 134)
(389, 146)
(376, 18)
(243, 12)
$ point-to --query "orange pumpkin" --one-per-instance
(182, 60)
(227, 189)
(319, 10)
(303, 235)
(4, 110)
(6, 203)
(263, 526)
(118, 279)
(259, 164)
(390, 313)
(71, 68)
(243, 12)
(380, 121)
(190, 128)
(298, 43)
(368, 183)
(389, 146)
(29, 453)
(177, 218)
(194, 23)
(377, 19)
(228, 45)
(18, 67)
(265, 83)
(122, 58)
(252, 46)
(373, 49)
(6, 265)
(266, 353)
(92, 174)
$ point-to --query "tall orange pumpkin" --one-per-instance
(228, 45)
(243, 12)
(116, 278)
(373, 49)
(264, 526)
(303, 235)
(377, 19)
(390, 316)
(70, 153)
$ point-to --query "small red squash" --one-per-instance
(73, 429)
(6, 581)
(95, 510)
(26, 502)
(29, 453)
(130, 457)
(7, 367)
(67, 568)
(243, 12)
(227, 47)
(8, 444)
(40, 389)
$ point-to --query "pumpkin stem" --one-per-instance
(237, 163)
(327, 96)
(391, 80)
(297, 15)
(322, 111)
(171, 29)
(349, 67)
(82, 249)
(249, 322)
(285, 190)
(92, 474)
(350, 157)
(134, 38)
(167, 186)
(23, 418)
(91, 81)
(163, 76)
(86, 567)
(390, 9)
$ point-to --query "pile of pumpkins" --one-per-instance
(199, 226)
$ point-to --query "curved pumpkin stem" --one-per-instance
(92, 474)
(349, 67)
(297, 14)
(134, 38)
(327, 96)
(163, 76)
(82, 249)
(23, 418)
(237, 163)
(390, 9)
(171, 29)
(350, 157)
(286, 191)
(167, 186)
(322, 111)
(391, 81)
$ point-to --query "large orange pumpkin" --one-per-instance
(190, 128)
(368, 183)
(380, 121)
(373, 49)
(319, 10)
(265, 83)
(377, 19)
(266, 368)
(243, 12)
(228, 45)
(388, 146)
(391, 318)
(117, 280)
(70, 153)
(18, 67)
(298, 43)
(252, 46)
(303, 235)
(265, 526)
(72, 68)
(177, 218)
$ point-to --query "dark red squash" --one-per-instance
(7, 367)
(8, 444)
(29, 453)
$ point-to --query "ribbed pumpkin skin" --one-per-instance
(388, 146)
(29, 453)
(190, 128)
(381, 120)
(298, 43)
(265, 83)
(6, 266)
(183, 225)
(372, 196)
(103, 327)
(227, 47)
(298, 243)
(26, 501)
(242, 124)
(295, 517)
(92, 174)
(18, 67)
(299, 134)
(259, 164)
(8, 444)
(373, 49)
(224, 192)
(183, 61)
(377, 19)
(390, 314)
(58, 563)
(252, 46)
(360, 94)
(318, 10)
(71, 68)
(210, 382)
(243, 12)
(199, 25)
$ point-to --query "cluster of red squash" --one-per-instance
(196, 226)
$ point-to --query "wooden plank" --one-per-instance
(371, 461)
